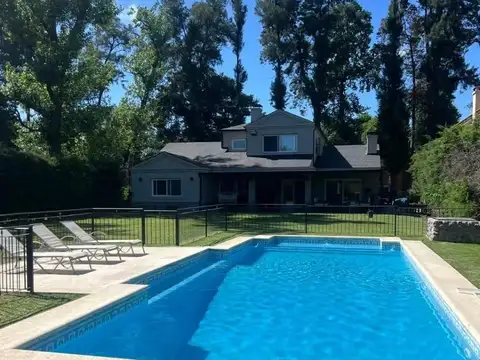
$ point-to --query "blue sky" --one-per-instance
(261, 75)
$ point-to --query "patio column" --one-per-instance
(308, 189)
(251, 191)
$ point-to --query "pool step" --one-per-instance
(186, 281)
(325, 249)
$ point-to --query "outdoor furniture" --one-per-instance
(52, 241)
(87, 238)
(15, 248)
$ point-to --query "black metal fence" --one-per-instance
(186, 225)
(16, 259)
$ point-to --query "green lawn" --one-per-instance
(465, 258)
(17, 306)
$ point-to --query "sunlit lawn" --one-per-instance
(17, 306)
(463, 257)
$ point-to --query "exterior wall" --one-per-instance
(228, 136)
(165, 167)
(369, 180)
(319, 143)
(280, 123)
(304, 139)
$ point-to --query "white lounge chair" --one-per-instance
(53, 242)
(88, 238)
(15, 248)
(475, 292)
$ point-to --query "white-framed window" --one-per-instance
(166, 187)
(239, 144)
(280, 143)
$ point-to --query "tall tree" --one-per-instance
(197, 100)
(412, 35)
(350, 67)
(151, 59)
(448, 32)
(274, 16)
(392, 109)
(236, 40)
(48, 66)
(327, 52)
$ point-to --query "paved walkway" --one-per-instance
(110, 272)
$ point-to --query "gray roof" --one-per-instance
(234, 128)
(347, 157)
(211, 154)
(469, 118)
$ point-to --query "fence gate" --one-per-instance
(16, 259)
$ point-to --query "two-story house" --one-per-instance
(279, 158)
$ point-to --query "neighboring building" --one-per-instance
(475, 107)
(279, 158)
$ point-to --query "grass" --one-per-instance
(465, 258)
(17, 306)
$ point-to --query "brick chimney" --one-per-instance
(476, 103)
(255, 113)
(372, 144)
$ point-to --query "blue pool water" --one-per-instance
(287, 300)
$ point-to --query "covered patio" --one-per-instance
(334, 188)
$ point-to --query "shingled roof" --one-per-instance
(343, 157)
(235, 128)
(211, 155)
(468, 119)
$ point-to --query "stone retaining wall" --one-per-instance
(462, 230)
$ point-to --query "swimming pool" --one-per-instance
(283, 298)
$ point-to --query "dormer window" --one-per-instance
(280, 143)
(239, 144)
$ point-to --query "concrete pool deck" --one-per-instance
(105, 285)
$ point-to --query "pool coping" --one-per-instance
(440, 275)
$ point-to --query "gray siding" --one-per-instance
(228, 136)
(304, 139)
(280, 123)
(165, 167)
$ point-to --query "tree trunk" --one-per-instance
(413, 144)
(53, 132)
(393, 187)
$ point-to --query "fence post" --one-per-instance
(92, 221)
(177, 229)
(306, 219)
(394, 220)
(143, 226)
(226, 217)
(29, 241)
(206, 222)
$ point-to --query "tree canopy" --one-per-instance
(60, 61)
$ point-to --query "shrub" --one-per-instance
(445, 171)
(29, 182)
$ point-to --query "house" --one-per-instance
(475, 108)
(278, 158)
